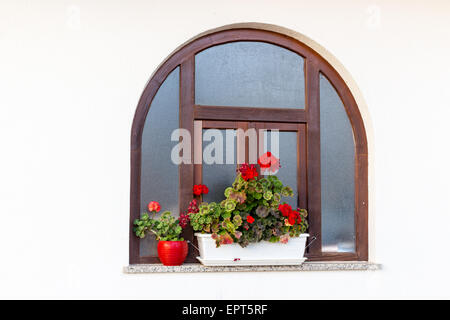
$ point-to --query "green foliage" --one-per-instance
(259, 198)
(218, 219)
(166, 228)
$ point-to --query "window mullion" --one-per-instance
(313, 155)
(187, 122)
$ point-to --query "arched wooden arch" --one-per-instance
(315, 65)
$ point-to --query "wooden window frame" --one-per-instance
(310, 116)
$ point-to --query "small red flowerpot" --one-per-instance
(172, 253)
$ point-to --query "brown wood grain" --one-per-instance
(219, 124)
(362, 207)
(313, 156)
(187, 70)
(302, 181)
(249, 114)
(135, 204)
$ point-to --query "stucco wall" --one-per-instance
(71, 73)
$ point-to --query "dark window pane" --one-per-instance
(337, 156)
(159, 175)
(251, 74)
(219, 176)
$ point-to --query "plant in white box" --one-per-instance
(252, 211)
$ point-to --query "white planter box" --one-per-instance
(260, 253)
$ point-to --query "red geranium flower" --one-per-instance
(154, 206)
(292, 218)
(184, 219)
(199, 189)
(193, 207)
(264, 160)
(269, 162)
(250, 219)
(285, 209)
(248, 172)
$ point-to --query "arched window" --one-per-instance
(243, 78)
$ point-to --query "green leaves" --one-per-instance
(237, 221)
(226, 215)
(166, 228)
(259, 198)
(228, 191)
(206, 220)
(276, 197)
(268, 195)
(239, 183)
(229, 205)
(239, 197)
(262, 211)
(287, 191)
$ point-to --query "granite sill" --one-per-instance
(307, 266)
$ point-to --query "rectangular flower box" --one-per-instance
(260, 253)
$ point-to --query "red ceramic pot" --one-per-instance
(172, 253)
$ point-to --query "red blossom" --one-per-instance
(264, 160)
(184, 219)
(248, 172)
(292, 215)
(250, 219)
(154, 206)
(193, 207)
(199, 189)
(285, 209)
(269, 162)
(292, 219)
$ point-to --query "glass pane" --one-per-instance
(159, 175)
(337, 156)
(221, 174)
(249, 74)
(283, 145)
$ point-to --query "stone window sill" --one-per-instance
(307, 266)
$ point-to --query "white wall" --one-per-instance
(71, 73)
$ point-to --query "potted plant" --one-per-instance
(251, 225)
(172, 249)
